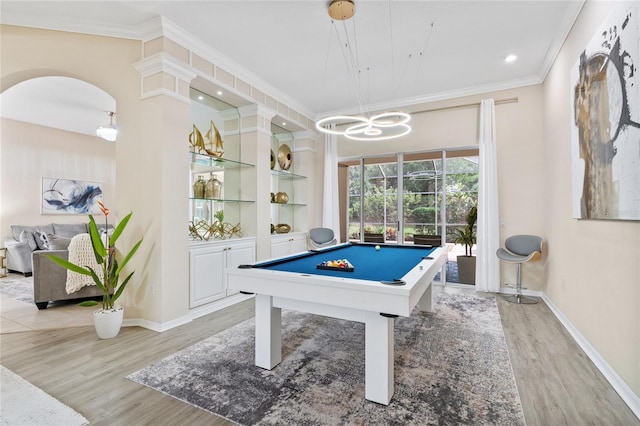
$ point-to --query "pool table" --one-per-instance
(386, 282)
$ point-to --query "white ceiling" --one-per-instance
(406, 52)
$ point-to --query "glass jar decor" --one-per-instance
(198, 188)
(213, 187)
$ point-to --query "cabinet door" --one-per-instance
(206, 275)
(280, 247)
(238, 255)
(299, 244)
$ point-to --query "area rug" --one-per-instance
(451, 367)
(22, 403)
(17, 287)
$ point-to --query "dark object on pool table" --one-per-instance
(337, 265)
(394, 282)
(336, 268)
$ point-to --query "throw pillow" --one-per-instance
(29, 238)
(41, 240)
(58, 243)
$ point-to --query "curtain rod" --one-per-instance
(470, 105)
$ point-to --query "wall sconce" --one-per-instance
(108, 132)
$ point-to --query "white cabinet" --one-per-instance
(287, 244)
(208, 263)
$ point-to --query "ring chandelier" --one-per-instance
(377, 127)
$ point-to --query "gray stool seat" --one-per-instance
(321, 237)
(520, 249)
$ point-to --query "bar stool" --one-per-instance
(519, 249)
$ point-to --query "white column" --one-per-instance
(379, 344)
(268, 333)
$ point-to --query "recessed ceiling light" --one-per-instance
(201, 97)
(219, 92)
(510, 58)
(284, 123)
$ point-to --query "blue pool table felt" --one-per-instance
(389, 263)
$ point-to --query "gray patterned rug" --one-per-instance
(17, 287)
(451, 367)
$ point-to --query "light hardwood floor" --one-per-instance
(558, 384)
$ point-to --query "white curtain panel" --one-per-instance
(330, 206)
(487, 263)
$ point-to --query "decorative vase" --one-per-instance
(282, 228)
(108, 322)
(198, 188)
(213, 187)
(282, 198)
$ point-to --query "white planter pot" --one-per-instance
(108, 323)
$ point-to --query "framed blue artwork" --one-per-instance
(65, 196)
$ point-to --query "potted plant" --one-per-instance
(467, 236)
(107, 320)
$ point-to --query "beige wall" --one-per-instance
(593, 272)
(520, 157)
(148, 180)
(29, 152)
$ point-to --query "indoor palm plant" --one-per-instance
(107, 277)
(467, 236)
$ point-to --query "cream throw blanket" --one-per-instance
(81, 254)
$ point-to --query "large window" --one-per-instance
(436, 191)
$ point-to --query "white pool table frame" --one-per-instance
(344, 298)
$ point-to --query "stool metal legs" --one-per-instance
(519, 297)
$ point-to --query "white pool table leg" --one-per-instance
(425, 304)
(268, 332)
(378, 380)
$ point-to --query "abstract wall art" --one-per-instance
(605, 120)
(64, 196)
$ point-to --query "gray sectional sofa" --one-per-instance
(26, 253)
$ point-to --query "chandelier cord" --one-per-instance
(393, 65)
(326, 60)
(349, 53)
(364, 127)
(424, 49)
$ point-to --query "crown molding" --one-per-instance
(162, 26)
(161, 62)
(553, 51)
(71, 25)
(256, 109)
(450, 94)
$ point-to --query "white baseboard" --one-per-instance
(625, 392)
(193, 314)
